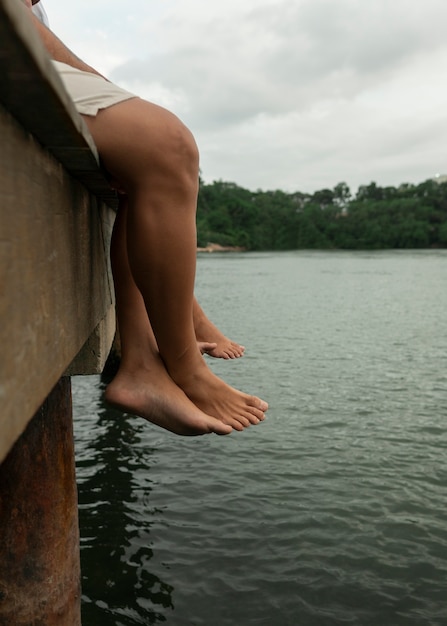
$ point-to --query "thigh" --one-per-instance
(136, 138)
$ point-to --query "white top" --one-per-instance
(40, 13)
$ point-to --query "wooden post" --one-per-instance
(39, 536)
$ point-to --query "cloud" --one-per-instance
(283, 57)
(297, 94)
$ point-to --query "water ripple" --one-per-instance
(332, 511)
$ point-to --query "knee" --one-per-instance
(141, 144)
(179, 152)
(170, 161)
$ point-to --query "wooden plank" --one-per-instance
(93, 355)
(55, 284)
(39, 548)
(56, 296)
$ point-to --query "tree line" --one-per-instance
(408, 216)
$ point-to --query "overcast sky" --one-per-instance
(282, 94)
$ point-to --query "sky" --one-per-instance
(297, 95)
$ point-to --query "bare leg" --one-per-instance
(142, 385)
(206, 331)
(155, 159)
(210, 339)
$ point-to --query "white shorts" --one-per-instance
(90, 92)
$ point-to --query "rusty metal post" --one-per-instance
(39, 534)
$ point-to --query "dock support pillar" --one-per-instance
(39, 532)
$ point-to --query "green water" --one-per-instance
(333, 511)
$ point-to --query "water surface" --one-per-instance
(333, 511)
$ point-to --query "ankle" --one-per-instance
(187, 366)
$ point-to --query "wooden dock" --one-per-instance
(56, 320)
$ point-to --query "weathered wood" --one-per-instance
(54, 274)
(56, 314)
(39, 564)
(56, 293)
(93, 355)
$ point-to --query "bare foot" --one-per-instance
(214, 397)
(206, 347)
(211, 340)
(153, 395)
(222, 349)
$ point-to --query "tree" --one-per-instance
(377, 217)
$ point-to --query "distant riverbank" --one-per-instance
(375, 218)
(215, 247)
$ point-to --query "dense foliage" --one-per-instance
(408, 216)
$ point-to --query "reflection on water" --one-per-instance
(116, 519)
(333, 510)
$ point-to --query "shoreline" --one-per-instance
(215, 247)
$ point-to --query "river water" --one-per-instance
(334, 510)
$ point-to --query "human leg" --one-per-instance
(155, 159)
(206, 331)
(210, 339)
(142, 385)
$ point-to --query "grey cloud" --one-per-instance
(360, 35)
(288, 56)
